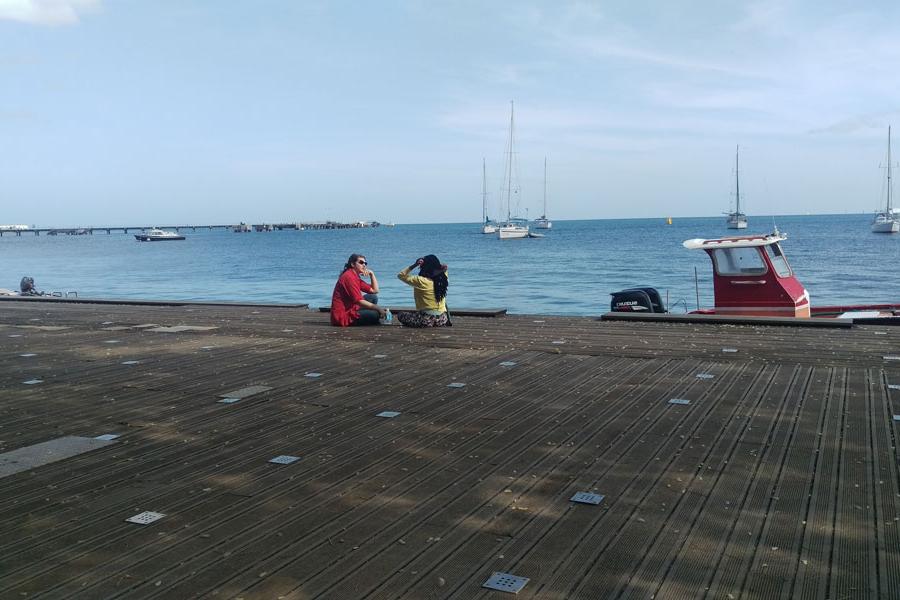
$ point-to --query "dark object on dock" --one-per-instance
(26, 287)
(637, 299)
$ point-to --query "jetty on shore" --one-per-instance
(18, 230)
(291, 459)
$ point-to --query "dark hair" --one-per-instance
(353, 258)
(435, 271)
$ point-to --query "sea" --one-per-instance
(570, 271)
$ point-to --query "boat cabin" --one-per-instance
(751, 276)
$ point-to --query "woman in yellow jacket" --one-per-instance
(429, 291)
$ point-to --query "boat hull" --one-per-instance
(512, 233)
(886, 225)
(488, 229)
(543, 224)
(153, 238)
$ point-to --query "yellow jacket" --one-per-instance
(423, 292)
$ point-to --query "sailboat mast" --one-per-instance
(889, 166)
(737, 182)
(544, 214)
(484, 218)
(509, 164)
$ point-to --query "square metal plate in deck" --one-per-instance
(507, 363)
(284, 459)
(893, 386)
(246, 392)
(28, 355)
(145, 518)
(732, 350)
(33, 381)
(112, 341)
(897, 417)
(558, 342)
(380, 356)
(15, 335)
(891, 357)
(228, 400)
(456, 384)
(131, 362)
(705, 375)
(505, 582)
(107, 437)
(388, 414)
(313, 375)
(587, 498)
(679, 401)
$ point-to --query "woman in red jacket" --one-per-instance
(355, 302)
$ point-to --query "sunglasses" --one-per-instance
(362, 262)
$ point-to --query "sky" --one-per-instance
(135, 112)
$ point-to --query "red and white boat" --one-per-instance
(752, 277)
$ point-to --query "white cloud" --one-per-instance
(45, 12)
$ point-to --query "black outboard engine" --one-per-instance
(26, 287)
(637, 299)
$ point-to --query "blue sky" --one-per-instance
(141, 112)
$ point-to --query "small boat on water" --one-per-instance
(486, 225)
(158, 235)
(515, 227)
(737, 219)
(752, 277)
(543, 222)
(887, 221)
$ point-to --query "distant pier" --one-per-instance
(238, 228)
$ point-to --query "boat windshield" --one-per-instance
(779, 262)
(738, 261)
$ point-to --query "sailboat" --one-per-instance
(544, 222)
(513, 228)
(486, 225)
(737, 219)
(887, 221)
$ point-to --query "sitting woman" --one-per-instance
(429, 291)
(349, 306)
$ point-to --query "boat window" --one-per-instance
(778, 260)
(738, 261)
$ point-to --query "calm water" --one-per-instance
(570, 272)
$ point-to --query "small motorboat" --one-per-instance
(158, 235)
(752, 277)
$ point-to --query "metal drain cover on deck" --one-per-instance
(456, 384)
(507, 363)
(107, 437)
(388, 414)
(380, 356)
(228, 400)
(112, 342)
(891, 357)
(897, 417)
(505, 582)
(33, 381)
(313, 375)
(679, 401)
(705, 375)
(131, 362)
(145, 518)
(284, 459)
(587, 498)
(729, 349)
(893, 386)
(28, 355)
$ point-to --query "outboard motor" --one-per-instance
(637, 299)
(26, 286)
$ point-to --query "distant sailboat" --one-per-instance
(737, 219)
(887, 221)
(544, 222)
(486, 225)
(514, 228)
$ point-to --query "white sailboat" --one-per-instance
(543, 222)
(887, 221)
(737, 219)
(513, 228)
(486, 225)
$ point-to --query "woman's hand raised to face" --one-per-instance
(420, 262)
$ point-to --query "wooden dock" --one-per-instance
(777, 479)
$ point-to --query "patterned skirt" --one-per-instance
(421, 319)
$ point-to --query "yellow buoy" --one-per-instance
(668, 220)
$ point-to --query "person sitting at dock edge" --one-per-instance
(429, 291)
(349, 306)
